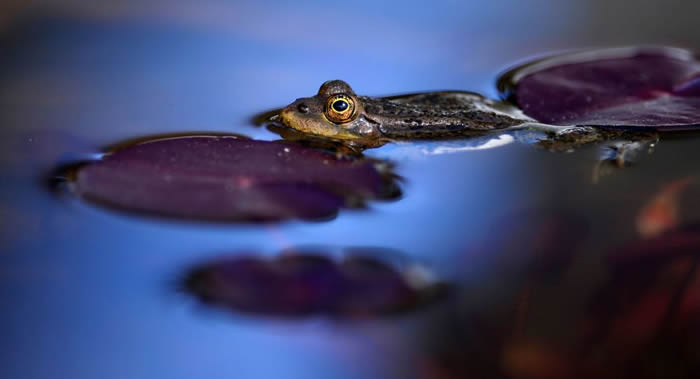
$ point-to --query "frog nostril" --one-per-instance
(303, 108)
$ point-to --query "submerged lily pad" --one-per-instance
(681, 241)
(650, 306)
(226, 178)
(301, 284)
(645, 87)
(642, 321)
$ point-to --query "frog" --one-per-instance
(337, 113)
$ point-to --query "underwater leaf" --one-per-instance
(644, 87)
(662, 212)
(680, 241)
(223, 178)
(649, 305)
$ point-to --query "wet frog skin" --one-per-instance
(337, 112)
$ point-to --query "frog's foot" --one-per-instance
(622, 153)
(620, 146)
(625, 153)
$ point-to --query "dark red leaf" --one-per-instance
(654, 88)
(230, 179)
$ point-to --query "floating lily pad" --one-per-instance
(302, 284)
(223, 178)
(652, 88)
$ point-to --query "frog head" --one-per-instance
(335, 112)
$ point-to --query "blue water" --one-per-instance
(87, 292)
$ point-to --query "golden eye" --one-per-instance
(340, 108)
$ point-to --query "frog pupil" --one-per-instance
(340, 106)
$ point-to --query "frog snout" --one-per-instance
(303, 108)
(285, 114)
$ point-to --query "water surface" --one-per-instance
(88, 292)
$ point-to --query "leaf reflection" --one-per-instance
(359, 285)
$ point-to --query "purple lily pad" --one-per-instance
(655, 88)
(226, 178)
(303, 284)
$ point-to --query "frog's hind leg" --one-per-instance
(619, 148)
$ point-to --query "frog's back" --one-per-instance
(437, 114)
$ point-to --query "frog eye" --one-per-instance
(340, 108)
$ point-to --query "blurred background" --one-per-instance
(87, 292)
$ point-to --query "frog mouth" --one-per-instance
(287, 130)
(319, 127)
